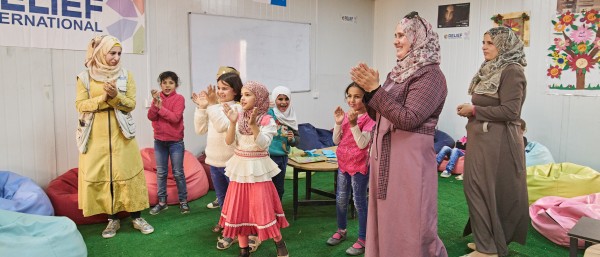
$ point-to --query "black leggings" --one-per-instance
(134, 215)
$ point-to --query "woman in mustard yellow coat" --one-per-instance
(111, 173)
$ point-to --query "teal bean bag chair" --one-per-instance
(34, 235)
(537, 154)
(21, 194)
(561, 179)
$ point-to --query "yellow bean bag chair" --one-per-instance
(561, 179)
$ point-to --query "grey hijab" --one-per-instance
(510, 50)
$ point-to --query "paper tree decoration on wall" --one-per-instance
(517, 21)
(575, 52)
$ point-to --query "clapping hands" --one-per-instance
(206, 97)
(156, 98)
(366, 77)
(338, 114)
(200, 99)
(231, 113)
(110, 88)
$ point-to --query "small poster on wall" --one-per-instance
(453, 15)
(562, 6)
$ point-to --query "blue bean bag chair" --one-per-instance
(314, 138)
(34, 235)
(537, 154)
(441, 139)
(21, 194)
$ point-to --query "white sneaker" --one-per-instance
(213, 205)
(445, 174)
(111, 228)
(459, 177)
(142, 225)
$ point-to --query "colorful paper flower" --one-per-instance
(582, 48)
(559, 27)
(554, 72)
(580, 63)
(567, 18)
(561, 61)
(581, 35)
(590, 17)
(560, 44)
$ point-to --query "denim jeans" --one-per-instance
(358, 185)
(220, 182)
(162, 151)
(280, 178)
(454, 153)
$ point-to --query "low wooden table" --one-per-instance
(308, 168)
(587, 229)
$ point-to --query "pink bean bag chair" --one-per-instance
(195, 177)
(202, 160)
(62, 192)
(459, 168)
(554, 216)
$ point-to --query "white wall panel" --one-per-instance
(27, 134)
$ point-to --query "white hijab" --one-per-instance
(288, 117)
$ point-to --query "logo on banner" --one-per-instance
(65, 19)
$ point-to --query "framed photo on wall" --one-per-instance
(578, 6)
(453, 15)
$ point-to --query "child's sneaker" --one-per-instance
(213, 205)
(459, 177)
(184, 207)
(142, 225)
(337, 238)
(357, 248)
(445, 174)
(158, 208)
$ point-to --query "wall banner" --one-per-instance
(70, 24)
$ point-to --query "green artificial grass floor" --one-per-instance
(176, 234)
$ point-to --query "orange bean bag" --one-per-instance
(459, 168)
(195, 177)
(62, 192)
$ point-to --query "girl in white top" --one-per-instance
(209, 118)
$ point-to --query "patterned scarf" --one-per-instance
(510, 50)
(288, 117)
(95, 59)
(261, 102)
(425, 48)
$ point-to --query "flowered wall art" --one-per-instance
(517, 21)
(574, 54)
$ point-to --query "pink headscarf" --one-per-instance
(425, 47)
(95, 59)
(261, 103)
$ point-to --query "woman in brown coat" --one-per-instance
(494, 179)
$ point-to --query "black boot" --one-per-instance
(244, 251)
(281, 249)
